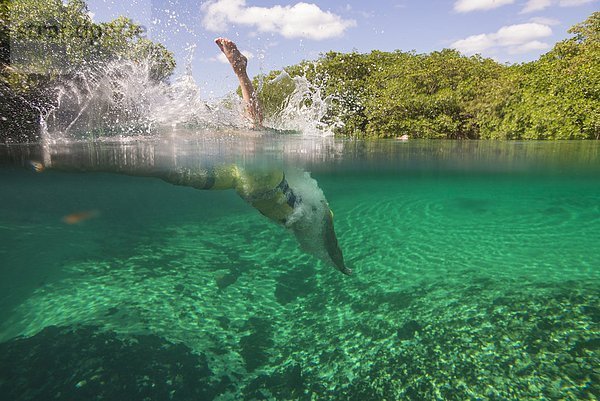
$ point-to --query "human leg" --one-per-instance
(239, 62)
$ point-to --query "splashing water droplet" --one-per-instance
(122, 99)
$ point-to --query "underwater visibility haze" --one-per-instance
(475, 271)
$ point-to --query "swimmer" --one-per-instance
(239, 63)
(303, 211)
(300, 208)
(277, 200)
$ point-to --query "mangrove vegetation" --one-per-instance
(442, 94)
(45, 43)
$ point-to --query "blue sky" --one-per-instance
(277, 33)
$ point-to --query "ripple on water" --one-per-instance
(507, 231)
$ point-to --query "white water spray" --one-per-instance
(121, 100)
(305, 108)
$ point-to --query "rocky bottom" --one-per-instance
(486, 347)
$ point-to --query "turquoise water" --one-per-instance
(476, 274)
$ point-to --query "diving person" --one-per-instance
(304, 210)
(277, 200)
(296, 202)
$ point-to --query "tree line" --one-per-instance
(444, 94)
(44, 43)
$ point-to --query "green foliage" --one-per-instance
(273, 91)
(51, 38)
(560, 92)
(45, 41)
(4, 32)
(345, 76)
(446, 95)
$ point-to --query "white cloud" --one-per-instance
(522, 33)
(474, 44)
(528, 47)
(574, 3)
(302, 20)
(545, 21)
(465, 6)
(536, 5)
(520, 38)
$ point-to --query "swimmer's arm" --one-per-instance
(214, 178)
(221, 177)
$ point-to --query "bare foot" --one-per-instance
(237, 60)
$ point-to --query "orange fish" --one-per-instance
(38, 167)
(76, 218)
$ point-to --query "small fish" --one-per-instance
(37, 167)
(76, 218)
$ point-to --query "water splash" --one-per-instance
(305, 108)
(121, 100)
(45, 140)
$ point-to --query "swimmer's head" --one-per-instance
(312, 222)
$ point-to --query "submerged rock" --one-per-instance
(408, 330)
(83, 363)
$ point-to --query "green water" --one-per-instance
(476, 276)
